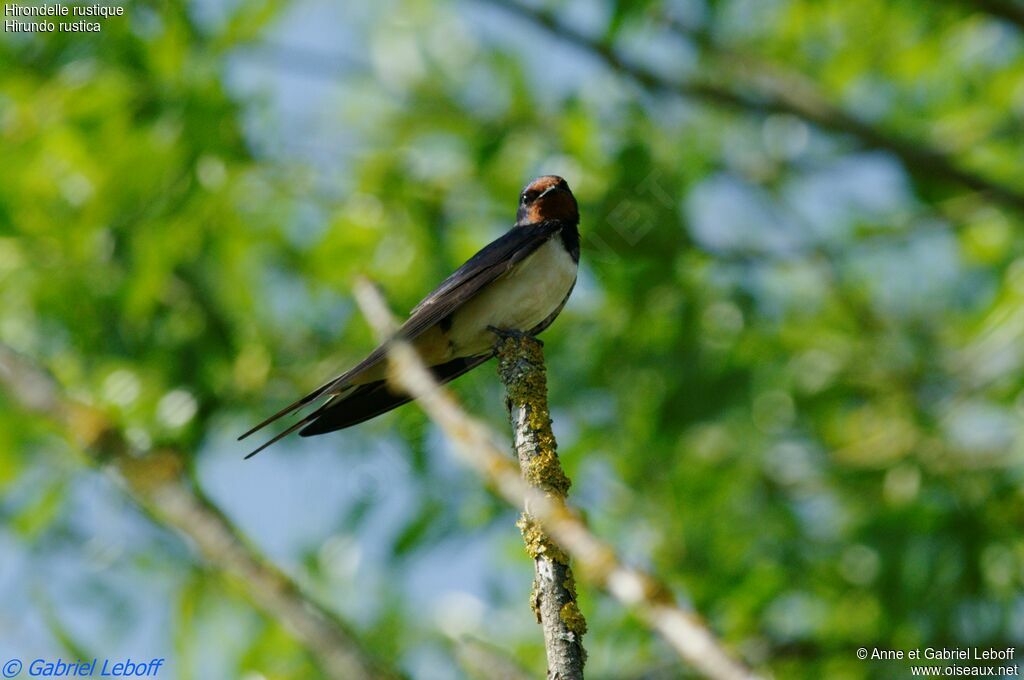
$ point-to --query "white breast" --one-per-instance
(517, 301)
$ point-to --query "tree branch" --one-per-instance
(521, 368)
(156, 481)
(782, 93)
(649, 599)
(1007, 10)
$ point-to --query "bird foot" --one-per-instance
(504, 333)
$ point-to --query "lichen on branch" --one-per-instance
(553, 599)
(521, 368)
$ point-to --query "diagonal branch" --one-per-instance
(781, 93)
(157, 482)
(649, 598)
(480, 661)
(1007, 10)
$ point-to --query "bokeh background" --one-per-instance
(789, 380)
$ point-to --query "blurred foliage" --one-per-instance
(789, 381)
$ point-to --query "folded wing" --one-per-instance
(348, 405)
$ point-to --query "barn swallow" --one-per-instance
(516, 284)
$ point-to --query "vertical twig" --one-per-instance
(521, 368)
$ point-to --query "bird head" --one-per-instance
(547, 198)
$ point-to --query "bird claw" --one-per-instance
(504, 333)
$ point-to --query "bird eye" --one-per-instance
(529, 196)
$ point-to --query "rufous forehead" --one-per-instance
(545, 182)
